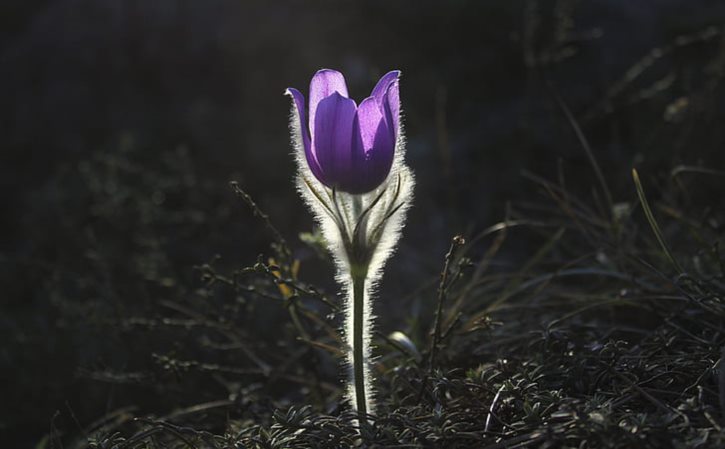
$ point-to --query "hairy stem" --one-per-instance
(358, 350)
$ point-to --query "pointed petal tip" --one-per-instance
(395, 73)
(390, 77)
(292, 92)
(298, 98)
(381, 88)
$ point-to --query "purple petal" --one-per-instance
(373, 148)
(382, 87)
(332, 137)
(299, 102)
(391, 105)
(325, 83)
(369, 119)
(387, 94)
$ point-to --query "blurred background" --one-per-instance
(123, 123)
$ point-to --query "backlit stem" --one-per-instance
(358, 342)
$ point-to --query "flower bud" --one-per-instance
(348, 147)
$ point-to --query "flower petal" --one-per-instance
(392, 106)
(382, 87)
(323, 84)
(373, 148)
(299, 103)
(332, 137)
(369, 119)
(301, 117)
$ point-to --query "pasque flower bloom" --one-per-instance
(352, 175)
(349, 147)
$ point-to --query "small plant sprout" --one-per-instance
(352, 176)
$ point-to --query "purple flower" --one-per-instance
(349, 147)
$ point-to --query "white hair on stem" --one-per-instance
(372, 220)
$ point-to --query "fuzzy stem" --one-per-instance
(358, 362)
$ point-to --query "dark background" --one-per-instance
(122, 123)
